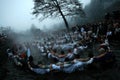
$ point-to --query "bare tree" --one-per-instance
(55, 8)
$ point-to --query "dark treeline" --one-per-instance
(96, 10)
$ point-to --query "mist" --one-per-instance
(17, 15)
(21, 25)
(96, 10)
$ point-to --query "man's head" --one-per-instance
(101, 50)
(62, 52)
(31, 58)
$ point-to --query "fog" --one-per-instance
(17, 15)
(96, 10)
(24, 26)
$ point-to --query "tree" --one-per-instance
(55, 8)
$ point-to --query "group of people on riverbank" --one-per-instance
(63, 51)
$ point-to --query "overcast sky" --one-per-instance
(17, 14)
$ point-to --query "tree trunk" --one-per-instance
(65, 20)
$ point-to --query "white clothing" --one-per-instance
(28, 52)
(55, 67)
(70, 55)
(40, 70)
(75, 51)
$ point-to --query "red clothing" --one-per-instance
(23, 55)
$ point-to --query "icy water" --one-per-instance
(15, 73)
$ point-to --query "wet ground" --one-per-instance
(11, 72)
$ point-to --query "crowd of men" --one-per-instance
(63, 50)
